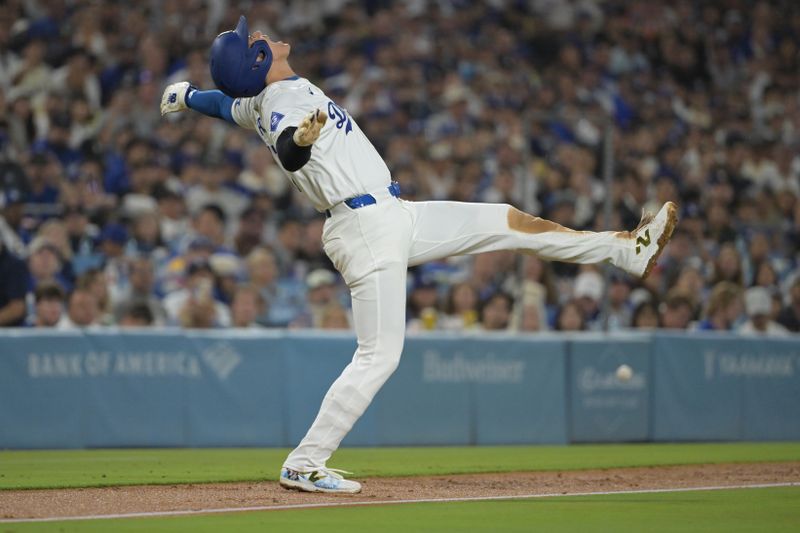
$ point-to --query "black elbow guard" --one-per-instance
(291, 156)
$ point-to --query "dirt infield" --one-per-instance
(159, 498)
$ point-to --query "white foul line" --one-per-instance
(388, 502)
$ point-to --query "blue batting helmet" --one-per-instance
(236, 68)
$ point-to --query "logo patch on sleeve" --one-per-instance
(274, 120)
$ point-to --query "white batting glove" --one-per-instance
(174, 98)
(308, 130)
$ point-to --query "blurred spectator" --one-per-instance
(645, 316)
(49, 299)
(44, 263)
(461, 308)
(321, 294)
(251, 231)
(620, 314)
(209, 223)
(227, 275)
(82, 310)
(194, 305)
(262, 271)
(94, 281)
(496, 312)
(111, 245)
(724, 307)
(676, 311)
(139, 291)
(758, 305)
(588, 293)
(423, 304)
(570, 317)
(13, 286)
(790, 315)
(246, 307)
(703, 104)
(136, 315)
(11, 213)
(335, 317)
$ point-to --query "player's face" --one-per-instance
(279, 48)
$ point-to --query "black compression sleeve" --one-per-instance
(292, 156)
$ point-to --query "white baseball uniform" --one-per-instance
(373, 246)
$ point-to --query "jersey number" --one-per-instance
(340, 116)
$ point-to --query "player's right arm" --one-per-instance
(183, 95)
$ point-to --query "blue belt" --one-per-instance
(367, 199)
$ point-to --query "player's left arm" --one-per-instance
(294, 142)
(183, 95)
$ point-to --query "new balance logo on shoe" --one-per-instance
(642, 241)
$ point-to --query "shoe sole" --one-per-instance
(304, 487)
(669, 227)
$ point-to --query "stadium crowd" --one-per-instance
(111, 215)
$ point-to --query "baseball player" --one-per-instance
(371, 235)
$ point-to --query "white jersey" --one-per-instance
(343, 161)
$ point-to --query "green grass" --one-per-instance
(87, 468)
(730, 511)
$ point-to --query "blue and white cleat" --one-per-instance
(318, 480)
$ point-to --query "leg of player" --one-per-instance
(443, 229)
(370, 248)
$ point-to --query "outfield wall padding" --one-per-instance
(114, 388)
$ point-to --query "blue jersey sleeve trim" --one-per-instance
(212, 103)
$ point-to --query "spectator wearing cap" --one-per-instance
(588, 293)
(227, 275)
(789, 316)
(111, 244)
(246, 307)
(42, 181)
(758, 305)
(32, 74)
(321, 293)
(194, 305)
(423, 307)
(13, 286)
(82, 236)
(49, 305)
(82, 311)
(45, 264)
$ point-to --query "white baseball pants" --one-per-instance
(373, 247)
